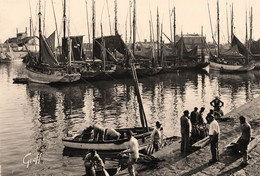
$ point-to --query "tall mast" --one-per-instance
(170, 17)
(134, 26)
(130, 21)
(211, 25)
(88, 23)
(227, 22)
(64, 19)
(40, 32)
(232, 22)
(218, 24)
(126, 28)
(251, 29)
(109, 19)
(30, 26)
(161, 53)
(202, 45)
(55, 23)
(94, 25)
(116, 32)
(158, 35)
(246, 38)
(174, 27)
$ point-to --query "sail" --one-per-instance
(232, 53)
(168, 51)
(77, 50)
(46, 53)
(194, 52)
(51, 41)
(113, 43)
(241, 48)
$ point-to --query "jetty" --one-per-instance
(173, 162)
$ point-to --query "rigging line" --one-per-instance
(56, 25)
(214, 41)
(109, 18)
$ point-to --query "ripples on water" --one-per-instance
(35, 117)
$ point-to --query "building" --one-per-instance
(192, 40)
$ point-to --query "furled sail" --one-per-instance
(51, 41)
(77, 50)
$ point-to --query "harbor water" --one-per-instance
(34, 117)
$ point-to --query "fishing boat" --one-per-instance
(6, 55)
(142, 134)
(235, 59)
(46, 69)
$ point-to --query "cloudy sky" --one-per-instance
(190, 16)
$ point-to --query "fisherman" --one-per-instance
(211, 112)
(217, 104)
(193, 116)
(244, 139)
(99, 132)
(214, 132)
(200, 120)
(133, 150)
(156, 136)
(92, 160)
(185, 132)
(111, 134)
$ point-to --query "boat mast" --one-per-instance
(251, 29)
(211, 25)
(134, 26)
(130, 21)
(158, 36)
(94, 24)
(170, 17)
(116, 31)
(246, 38)
(232, 22)
(109, 18)
(56, 24)
(40, 32)
(202, 45)
(227, 23)
(218, 24)
(64, 19)
(88, 23)
(161, 53)
(174, 27)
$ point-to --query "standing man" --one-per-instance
(217, 104)
(214, 137)
(244, 139)
(185, 132)
(200, 120)
(193, 116)
(156, 136)
(133, 150)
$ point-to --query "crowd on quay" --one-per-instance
(194, 127)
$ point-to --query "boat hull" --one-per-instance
(230, 68)
(109, 145)
(44, 78)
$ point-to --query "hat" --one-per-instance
(158, 124)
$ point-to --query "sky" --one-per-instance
(191, 15)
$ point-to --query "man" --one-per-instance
(200, 120)
(91, 160)
(185, 132)
(244, 139)
(111, 134)
(99, 132)
(217, 104)
(214, 132)
(156, 136)
(133, 150)
(193, 116)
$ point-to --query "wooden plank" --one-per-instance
(202, 143)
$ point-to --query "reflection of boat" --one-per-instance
(45, 69)
(142, 134)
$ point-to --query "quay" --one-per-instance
(196, 163)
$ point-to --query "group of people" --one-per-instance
(100, 133)
(188, 122)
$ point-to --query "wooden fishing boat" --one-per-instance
(77, 142)
(227, 68)
(46, 69)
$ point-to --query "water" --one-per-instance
(26, 110)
